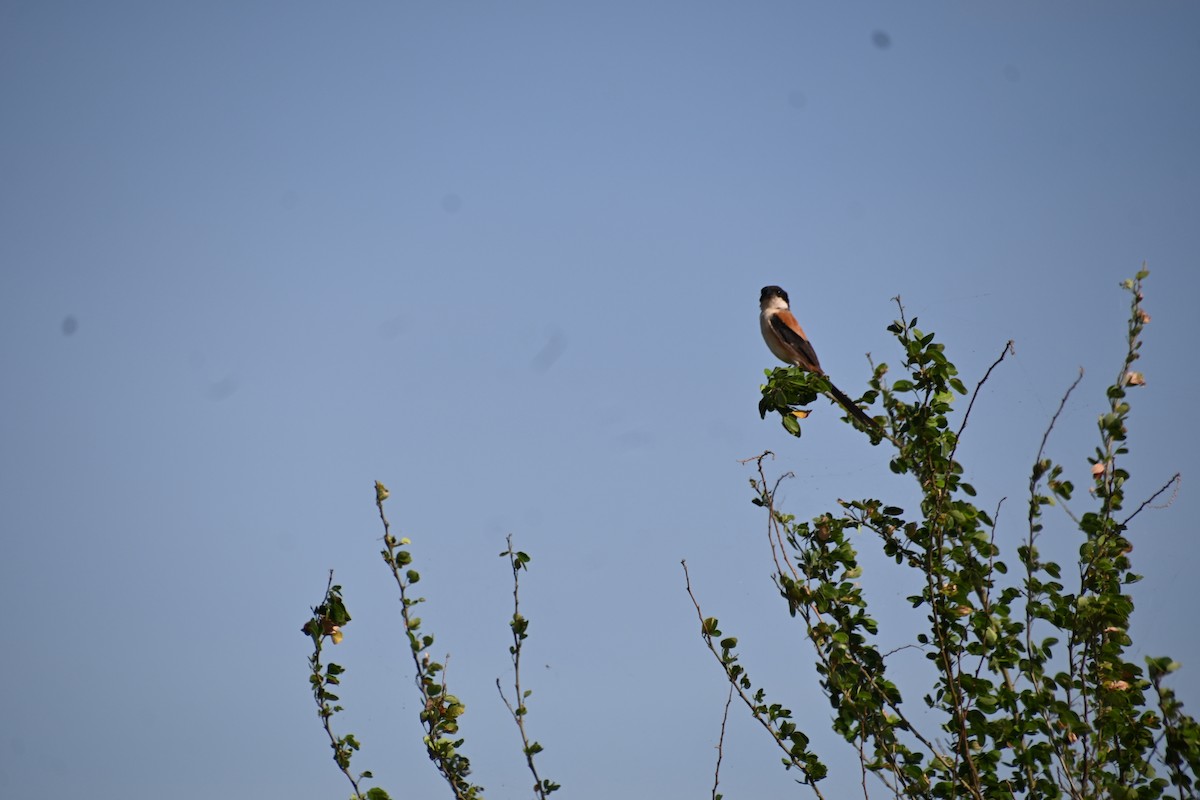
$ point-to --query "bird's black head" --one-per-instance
(773, 291)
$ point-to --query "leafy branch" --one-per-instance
(774, 718)
(441, 710)
(519, 625)
(328, 619)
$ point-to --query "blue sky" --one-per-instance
(505, 258)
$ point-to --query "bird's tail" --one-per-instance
(854, 410)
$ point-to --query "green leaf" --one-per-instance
(791, 424)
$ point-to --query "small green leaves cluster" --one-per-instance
(328, 619)
(1032, 690)
(519, 625)
(441, 709)
(788, 389)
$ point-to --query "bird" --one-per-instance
(788, 342)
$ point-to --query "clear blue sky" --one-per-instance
(505, 257)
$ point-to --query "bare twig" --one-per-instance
(775, 529)
(774, 536)
(862, 758)
(757, 458)
(1176, 480)
(721, 745)
(1054, 419)
(1007, 351)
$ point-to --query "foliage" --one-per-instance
(441, 710)
(1032, 693)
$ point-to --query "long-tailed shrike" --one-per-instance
(787, 341)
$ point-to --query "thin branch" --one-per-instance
(721, 744)
(1008, 350)
(775, 529)
(1061, 405)
(757, 458)
(862, 756)
(1176, 479)
(774, 536)
(894, 650)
